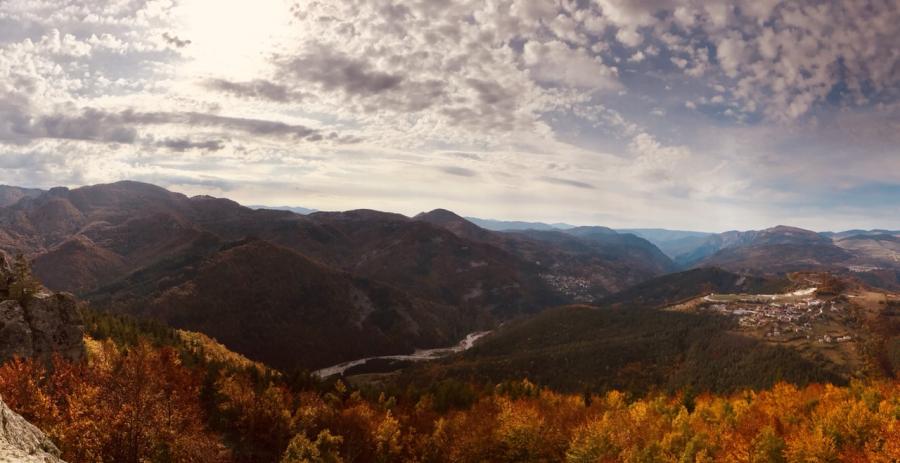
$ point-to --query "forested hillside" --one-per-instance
(146, 403)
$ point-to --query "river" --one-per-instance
(417, 356)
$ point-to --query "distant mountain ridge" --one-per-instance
(139, 248)
(582, 262)
(295, 209)
(508, 225)
(10, 195)
(131, 246)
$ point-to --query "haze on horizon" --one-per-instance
(697, 115)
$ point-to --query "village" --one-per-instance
(577, 288)
(799, 315)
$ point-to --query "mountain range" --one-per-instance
(336, 286)
(873, 255)
(396, 282)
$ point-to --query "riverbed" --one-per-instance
(417, 356)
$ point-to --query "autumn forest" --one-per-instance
(144, 396)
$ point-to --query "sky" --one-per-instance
(702, 115)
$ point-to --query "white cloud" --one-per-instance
(372, 94)
(629, 37)
(731, 52)
(556, 62)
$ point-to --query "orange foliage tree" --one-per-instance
(143, 404)
(133, 406)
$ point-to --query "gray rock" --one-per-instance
(55, 324)
(38, 324)
(15, 333)
(6, 272)
(21, 441)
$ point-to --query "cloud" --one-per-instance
(761, 99)
(631, 13)
(333, 70)
(21, 126)
(567, 182)
(251, 126)
(629, 37)
(175, 41)
(657, 162)
(731, 53)
(458, 171)
(257, 88)
(184, 144)
(98, 125)
(471, 156)
(556, 62)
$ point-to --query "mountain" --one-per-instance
(10, 195)
(662, 235)
(581, 262)
(431, 279)
(432, 262)
(671, 242)
(277, 306)
(90, 238)
(459, 226)
(676, 287)
(128, 246)
(294, 209)
(777, 249)
(874, 249)
(510, 225)
(750, 248)
(857, 232)
(633, 253)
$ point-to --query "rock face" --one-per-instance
(22, 442)
(36, 322)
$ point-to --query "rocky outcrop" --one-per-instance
(35, 322)
(55, 325)
(22, 442)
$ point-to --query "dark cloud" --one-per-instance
(258, 88)
(175, 41)
(492, 93)
(493, 108)
(250, 126)
(184, 144)
(18, 125)
(336, 71)
(567, 182)
(92, 124)
(472, 156)
(459, 171)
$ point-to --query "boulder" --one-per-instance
(35, 322)
(6, 272)
(15, 333)
(22, 442)
(55, 325)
